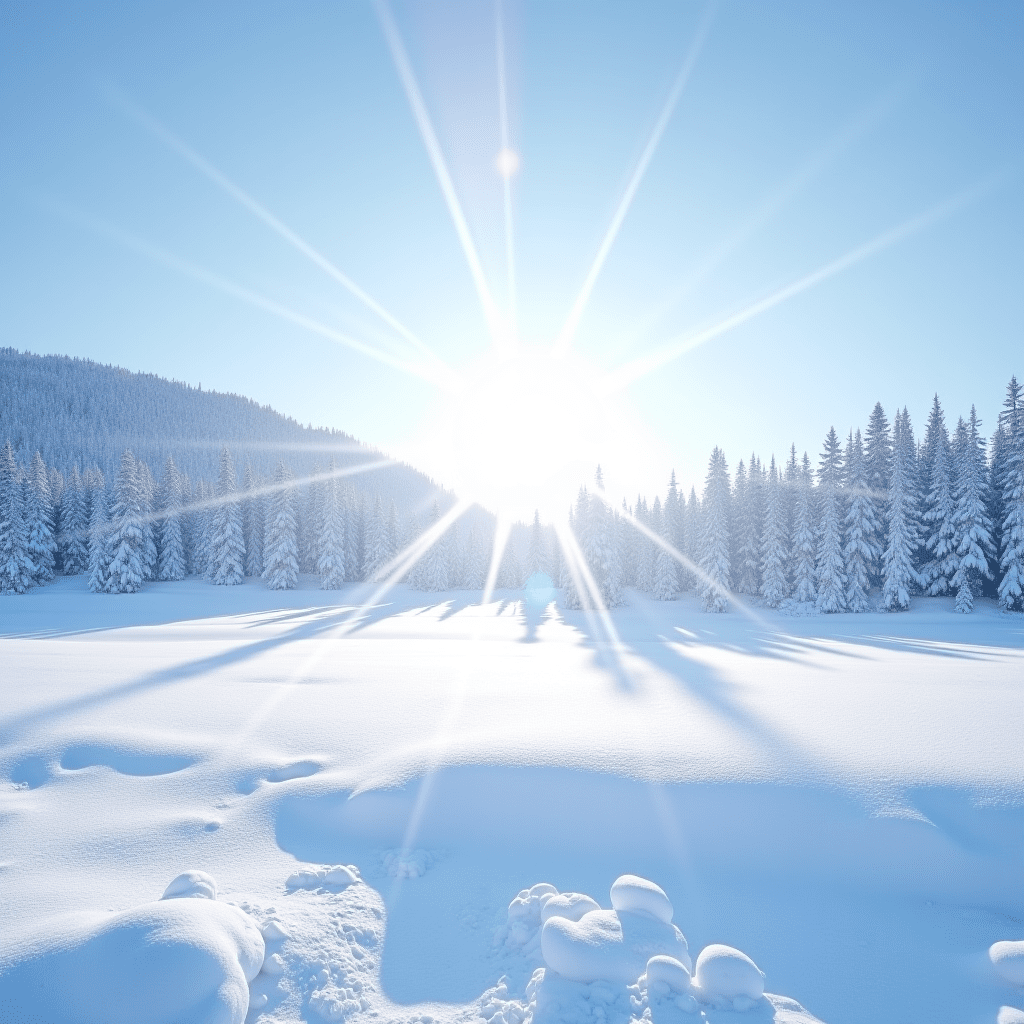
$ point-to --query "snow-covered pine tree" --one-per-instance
(602, 551)
(227, 542)
(74, 531)
(878, 460)
(998, 453)
(940, 544)
(673, 512)
(127, 568)
(830, 568)
(774, 556)
(310, 522)
(715, 540)
(147, 493)
(790, 479)
(693, 536)
(16, 567)
(377, 545)
(394, 545)
(356, 515)
(252, 522)
(645, 550)
(576, 593)
(861, 530)
(899, 574)
(456, 554)
(414, 574)
(99, 540)
(748, 517)
(172, 564)
(537, 560)
(973, 528)
(630, 548)
(737, 525)
(1011, 555)
(331, 563)
(434, 576)
(280, 554)
(802, 546)
(39, 521)
(665, 582)
(476, 570)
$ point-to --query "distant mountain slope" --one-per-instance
(75, 411)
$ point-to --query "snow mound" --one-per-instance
(1008, 960)
(1010, 1015)
(667, 971)
(191, 884)
(338, 876)
(608, 945)
(640, 896)
(725, 975)
(572, 905)
(169, 962)
(407, 863)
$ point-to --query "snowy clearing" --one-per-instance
(838, 800)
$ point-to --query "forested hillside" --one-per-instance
(75, 412)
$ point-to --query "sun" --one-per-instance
(524, 431)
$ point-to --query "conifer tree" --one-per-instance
(774, 556)
(99, 541)
(743, 584)
(331, 563)
(74, 532)
(715, 541)
(693, 534)
(878, 460)
(252, 522)
(940, 544)
(999, 452)
(147, 494)
(39, 521)
(899, 574)
(280, 551)
(127, 568)
(830, 567)
(393, 538)
(972, 527)
(16, 567)
(674, 527)
(377, 546)
(802, 546)
(1011, 560)
(538, 556)
(435, 562)
(602, 550)
(227, 541)
(859, 553)
(665, 585)
(476, 566)
(414, 574)
(172, 564)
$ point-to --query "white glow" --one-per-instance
(507, 163)
(525, 431)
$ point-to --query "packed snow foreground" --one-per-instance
(225, 805)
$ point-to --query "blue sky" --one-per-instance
(803, 132)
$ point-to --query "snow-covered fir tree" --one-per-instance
(802, 547)
(665, 582)
(280, 546)
(331, 561)
(16, 568)
(972, 527)
(39, 520)
(878, 458)
(1011, 555)
(227, 544)
(715, 540)
(692, 529)
(172, 564)
(476, 567)
(434, 575)
(74, 526)
(940, 544)
(774, 553)
(99, 540)
(899, 575)
(830, 570)
(674, 526)
(252, 521)
(737, 529)
(355, 535)
(378, 548)
(537, 558)
(147, 499)
(126, 570)
(861, 528)
(602, 547)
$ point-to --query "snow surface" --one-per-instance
(842, 799)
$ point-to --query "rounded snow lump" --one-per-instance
(1008, 960)
(669, 971)
(166, 962)
(191, 884)
(608, 945)
(572, 905)
(725, 973)
(639, 896)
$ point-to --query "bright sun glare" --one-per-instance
(524, 431)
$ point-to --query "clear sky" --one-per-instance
(800, 134)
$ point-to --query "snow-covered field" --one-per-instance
(840, 798)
